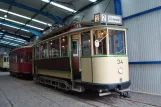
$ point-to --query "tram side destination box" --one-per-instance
(108, 19)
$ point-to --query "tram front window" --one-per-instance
(117, 42)
(100, 35)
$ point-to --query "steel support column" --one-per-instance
(118, 11)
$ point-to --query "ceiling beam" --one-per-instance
(14, 35)
(37, 33)
(34, 16)
(51, 16)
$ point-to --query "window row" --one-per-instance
(6, 59)
(21, 57)
(114, 44)
(53, 48)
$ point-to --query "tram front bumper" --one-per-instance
(110, 87)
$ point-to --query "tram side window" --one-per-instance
(117, 42)
(64, 46)
(54, 48)
(43, 50)
(37, 53)
(100, 35)
(22, 57)
(5, 59)
(28, 56)
(86, 44)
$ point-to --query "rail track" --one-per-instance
(90, 98)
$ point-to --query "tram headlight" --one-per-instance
(120, 70)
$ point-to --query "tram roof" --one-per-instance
(77, 30)
(27, 46)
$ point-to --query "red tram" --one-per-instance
(21, 61)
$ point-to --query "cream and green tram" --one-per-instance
(92, 58)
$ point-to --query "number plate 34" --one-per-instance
(119, 61)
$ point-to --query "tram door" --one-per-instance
(76, 57)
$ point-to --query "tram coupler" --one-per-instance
(124, 93)
(103, 92)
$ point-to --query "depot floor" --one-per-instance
(26, 93)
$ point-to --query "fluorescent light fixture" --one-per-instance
(7, 38)
(5, 42)
(14, 27)
(34, 27)
(5, 16)
(21, 23)
(1, 33)
(13, 44)
(14, 39)
(93, 0)
(21, 39)
(25, 17)
(10, 36)
(18, 41)
(42, 22)
(59, 5)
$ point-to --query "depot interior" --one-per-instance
(22, 23)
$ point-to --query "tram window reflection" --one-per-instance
(117, 42)
(37, 53)
(64, 46)
(54, 48)
(86, 44)
(100, 35)
(43, 50)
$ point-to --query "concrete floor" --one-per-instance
(26, 93)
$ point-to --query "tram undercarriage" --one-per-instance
(78, 86)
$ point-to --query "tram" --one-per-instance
(20, 60)
(88, 56)
(4, 62)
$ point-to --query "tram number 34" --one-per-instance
(119, 61)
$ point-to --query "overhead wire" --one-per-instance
(107, 6)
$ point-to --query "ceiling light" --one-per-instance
(93, 0)
(10, 36)
(14, 27)
(6, 36)
(14, 21)
(21, 23)
(5, 16)
(25, 17)
(13, 40)
(13, 44)
(42, 22)
(59, 5)
(20, 39)
(34, 27)
(5, 42)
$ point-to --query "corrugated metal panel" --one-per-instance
(3, 49)
(146, 78)
(130, 7)
(144, 37)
